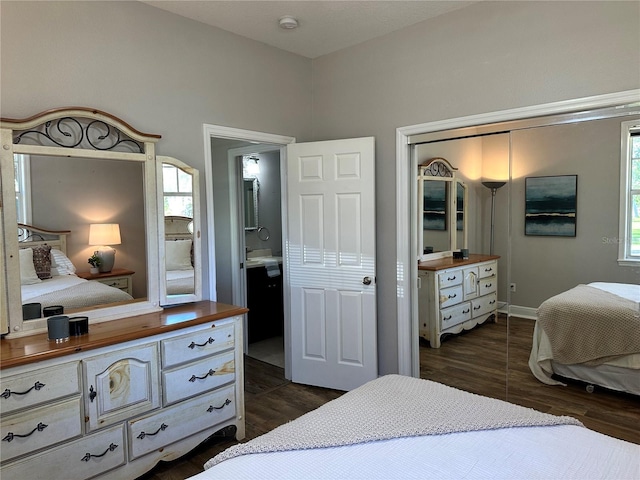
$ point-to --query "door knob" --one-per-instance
(366, 280)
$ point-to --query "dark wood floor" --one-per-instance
(475, 361)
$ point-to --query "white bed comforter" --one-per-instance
(541, 357)
(180, 282)
(72, 292)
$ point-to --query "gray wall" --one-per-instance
(169, 75)
(487, 57)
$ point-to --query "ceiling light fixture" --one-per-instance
(288, 22)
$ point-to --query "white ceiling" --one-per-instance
(324, 26)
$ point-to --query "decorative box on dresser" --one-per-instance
(456, 295)
(114, 402)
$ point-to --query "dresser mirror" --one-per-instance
(441, 214)
(91, 168)
(179, 201)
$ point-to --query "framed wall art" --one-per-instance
(434, 210)
(551, 205)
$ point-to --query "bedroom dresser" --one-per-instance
(116, 401)
(456, 295)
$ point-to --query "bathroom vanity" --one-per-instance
(130, 393)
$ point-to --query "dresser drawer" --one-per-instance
(198, 377)
(451, 296)
(171, 424)
(488, 269)
(484, 305)
(197, 344)
(40, 427)
(120, 282)
(448, 279)
(488, 285)
(454, 315)
(38, 386)
(80, 459)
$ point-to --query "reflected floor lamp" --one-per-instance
(493, 186)
(105, 234)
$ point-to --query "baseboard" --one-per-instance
(523, 312)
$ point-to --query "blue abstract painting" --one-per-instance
(434, 208)
(550, 205)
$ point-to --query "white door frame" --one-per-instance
(219, 131)
(406, 206)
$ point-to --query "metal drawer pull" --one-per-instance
(448, 318)
(453, 296)
(92, 393)
(193, 345)
(162, 428)
(87, 456)
(10, 436)
(466, 311)
(210, 372)
(488, 269)
(212, 408)
(492, 302)
(451, 278)
(7, 393)
(487, 285)
(478, 307)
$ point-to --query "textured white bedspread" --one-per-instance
(547, 452)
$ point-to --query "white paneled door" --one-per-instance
(331, 262)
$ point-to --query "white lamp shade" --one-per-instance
(104, 234)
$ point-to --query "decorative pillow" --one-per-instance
(60, 263)
(178, 254)
(28, 275)
(42, 261)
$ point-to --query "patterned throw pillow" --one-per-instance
(42, 261)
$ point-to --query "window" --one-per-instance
(178, 196)
(21, 165)
(629, 252)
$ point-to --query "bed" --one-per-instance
(179, 255)
(398, 427)
(590, 333)
(47, 276)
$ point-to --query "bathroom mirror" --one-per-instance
(63, 140)
(251, 188)
(179, 203)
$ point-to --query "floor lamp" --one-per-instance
(493, 186)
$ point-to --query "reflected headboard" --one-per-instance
(178, 228)
(30, 236)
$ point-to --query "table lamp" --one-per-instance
(104, 235)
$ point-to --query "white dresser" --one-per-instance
(116, 410)
(456, 295)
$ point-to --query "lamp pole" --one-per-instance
(493, 186)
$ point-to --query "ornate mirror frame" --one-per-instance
(101, 136)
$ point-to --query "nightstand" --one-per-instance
(118, 277)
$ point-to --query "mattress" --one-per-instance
(549, 452)
(620, 374)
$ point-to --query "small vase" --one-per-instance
(94, 270)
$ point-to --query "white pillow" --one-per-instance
(60, 263)
(178, 254)
(28, 275)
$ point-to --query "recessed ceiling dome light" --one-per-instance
(288, 22)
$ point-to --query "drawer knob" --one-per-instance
(162, 428)
(7, 393)
(10, 436)
(110, 448)
(193, 345)
(212, 408)
(210, 372)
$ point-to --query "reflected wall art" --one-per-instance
(550, 206)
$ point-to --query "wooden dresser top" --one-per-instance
(450, 262)
(34, 348)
